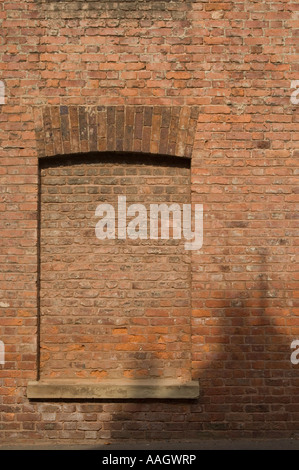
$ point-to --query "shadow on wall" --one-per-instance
(241, 356)
(249, 387)
(242, 359)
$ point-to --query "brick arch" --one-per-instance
(150, 129)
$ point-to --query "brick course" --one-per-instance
(205, 80)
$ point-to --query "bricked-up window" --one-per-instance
(119, 308)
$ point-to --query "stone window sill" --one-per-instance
(112, 389)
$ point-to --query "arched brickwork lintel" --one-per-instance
(64, 130)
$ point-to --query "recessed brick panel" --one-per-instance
(115, 308)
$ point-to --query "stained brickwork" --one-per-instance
(223, 71)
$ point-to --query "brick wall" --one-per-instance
(223, 71)
(112, 308)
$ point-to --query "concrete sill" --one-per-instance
(121, 389)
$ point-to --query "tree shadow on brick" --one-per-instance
(249, 388)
